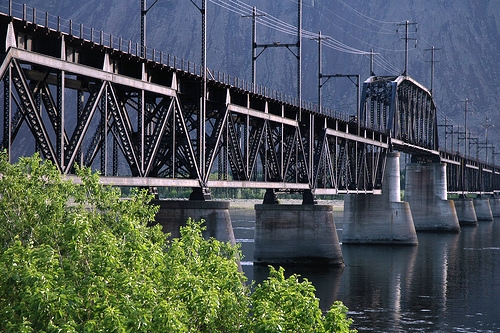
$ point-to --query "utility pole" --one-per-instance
(144, 11)
(432, 61)
(487, 125)
(371, 62)
(298, 54)
(320, 65)
(254, 43)
(407, 24)
(299, 57)
(466, 110)
(203, 100)
(446, 132)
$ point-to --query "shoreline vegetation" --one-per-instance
(79, 258)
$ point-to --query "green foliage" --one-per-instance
(78, 258)
(286, 305)
(289, 305)
(203, 275)
(336, 319)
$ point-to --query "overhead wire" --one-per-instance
(265, 19)
(272, 22)
(365, 16)
(378, 47)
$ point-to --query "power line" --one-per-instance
(274, 23)
(365, 16)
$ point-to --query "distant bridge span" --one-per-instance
(79, 97)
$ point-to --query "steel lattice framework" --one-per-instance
(402, 107)
(77, 101)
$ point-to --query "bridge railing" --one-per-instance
(78, 30)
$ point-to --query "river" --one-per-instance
(448, 283)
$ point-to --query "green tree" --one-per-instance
(289, 305)
(78, 258)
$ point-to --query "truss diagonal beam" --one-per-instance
(32, 116)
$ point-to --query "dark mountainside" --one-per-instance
(467, 32)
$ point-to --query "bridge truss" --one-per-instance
(139, 122)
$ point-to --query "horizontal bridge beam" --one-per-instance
(262, 115)
(74, 68)
(354, 137)
(170, 182)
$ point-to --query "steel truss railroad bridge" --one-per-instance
(81, 97)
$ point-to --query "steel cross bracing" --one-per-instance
(248, 143)
(137, 121)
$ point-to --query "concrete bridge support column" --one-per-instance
(380, 219)
(426, 191)
(495, 205)
(174, 213)
(466, 212)
(296, 234)
(483, 208)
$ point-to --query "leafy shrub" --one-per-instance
(78, 258)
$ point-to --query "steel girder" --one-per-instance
(74, 115)
(91, 105)
(348, 165)
(470, 176)
(78, 118)
(402, 107)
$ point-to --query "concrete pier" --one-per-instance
(466, 212)
(296, 234)
(495, 205)
(426, 191)
(174, 213)
(483, 208)
(380, 219)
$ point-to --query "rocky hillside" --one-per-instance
(466, 32)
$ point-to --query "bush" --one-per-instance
(78, 258)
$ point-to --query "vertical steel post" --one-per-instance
(60, 107)
(320, 64)
(201, 148)
(7, 112)
(104, 131)
(254, 47)
(140, 120)
(143, 27)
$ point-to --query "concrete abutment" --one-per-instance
(483, 209)
(296, 234)
(426, 192)
(174, 213)
(466, 212)
(380, 219)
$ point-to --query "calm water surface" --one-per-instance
(448, 283)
